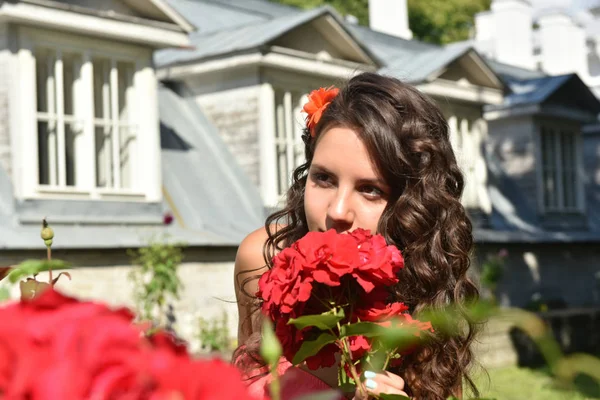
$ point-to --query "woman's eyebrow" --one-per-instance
(321, 168)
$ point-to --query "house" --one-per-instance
(137, 110)
(517, 130)
(93, 141)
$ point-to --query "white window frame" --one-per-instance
(559, 130)
(145, 161)
(289, 101)
(289, 147)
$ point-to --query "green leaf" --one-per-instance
(33, 267)
(324, 322)
(312, 347)
(399, 337)
(368, 329)
(385, 396)
(270, 348)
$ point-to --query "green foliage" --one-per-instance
(155, 279)
(325, 321)
(311, 347)
(433, 21)
(357, 8)
(492, 270)
(214, 334)
(444, 21)
(34, 267)
(510, 383)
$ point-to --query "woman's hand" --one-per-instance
(378, 383)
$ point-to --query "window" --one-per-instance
(561, 183)
(289, 148)
(85, 125)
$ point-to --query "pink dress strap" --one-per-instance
(295, 382)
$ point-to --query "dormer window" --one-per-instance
(89, 119)
(84, 102)
(561, 184)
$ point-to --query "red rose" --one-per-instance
(381, 311)
(284, 285)
(55, 347)
(359, 345)
(379, 264)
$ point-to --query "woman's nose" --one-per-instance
(340, 214)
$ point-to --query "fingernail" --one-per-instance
(370, 374)
(370, 384)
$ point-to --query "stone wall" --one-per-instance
(562, 273)
(207, 277)
(235, 113)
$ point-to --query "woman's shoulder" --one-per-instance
(250, 252)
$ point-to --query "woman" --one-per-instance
(378, 157)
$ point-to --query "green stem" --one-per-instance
(49, 255)
(388, 358)
(275, 386)
(347, 358)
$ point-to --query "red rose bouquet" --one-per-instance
(56, 347)
(328, 294)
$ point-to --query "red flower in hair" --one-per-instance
(318, 100)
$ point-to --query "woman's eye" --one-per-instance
(372, 191)
(320, 178)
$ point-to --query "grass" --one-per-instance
(513, 383)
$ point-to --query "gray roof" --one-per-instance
(549, 89)
(251, 36)
(210, 191)
(390, 49)
(510, 72)
(214, 15)
(412, 60)
(423, 64)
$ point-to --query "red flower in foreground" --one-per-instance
(318, 100)
(56, 347)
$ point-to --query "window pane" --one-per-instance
(280, 143)
(71, 78)
(45, 88)
(101, 88)
(127, 139)
(125, 87)
(569, 169)
(103, 157)
(47, 157)
(548, 163)
(71, 133)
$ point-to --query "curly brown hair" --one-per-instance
(407, 138)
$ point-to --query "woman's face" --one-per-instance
(344, 191)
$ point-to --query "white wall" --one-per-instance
(5, 78)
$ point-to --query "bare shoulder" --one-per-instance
(249, 257)
(249, 266)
